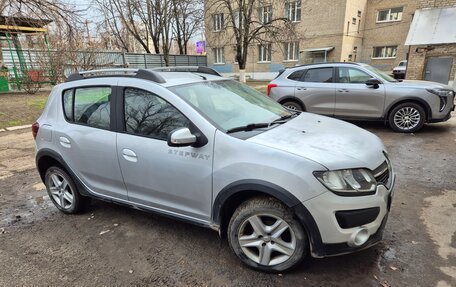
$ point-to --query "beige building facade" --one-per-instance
(368, 31)
(433, 57)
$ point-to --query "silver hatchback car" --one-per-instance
(356, 91)
(190, 144)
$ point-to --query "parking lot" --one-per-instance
(114, 245)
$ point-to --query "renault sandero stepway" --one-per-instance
(187, 143)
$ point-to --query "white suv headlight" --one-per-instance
(348, 182)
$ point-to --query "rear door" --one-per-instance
(354, 99)
(86, 137)
(317, 90)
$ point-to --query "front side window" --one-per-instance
(319, 75)
(390, 15)
(88, 106)
(293, 11)
(265, 14)
(353, 76)
(218, 22)
(229, 103)
(291, 51)
(264, 53)
(147, 114)
(385, 52)
(219, 55)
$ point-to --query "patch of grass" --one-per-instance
(11, 123)
(37, 103)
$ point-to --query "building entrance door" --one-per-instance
(438, 69)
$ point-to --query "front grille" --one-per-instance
(382, 174)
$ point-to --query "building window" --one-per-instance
(359, 13)
(238, 20)
(219, 56)
(293, 11)
(354, 21)
(218, 22)
(291, 51)
(265, 14)
(264, 53)
(385, 52)
(390, 15)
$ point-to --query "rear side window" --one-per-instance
(296, 76)
(90, 106)
(68, 104)
(319, 75)
(149, 115)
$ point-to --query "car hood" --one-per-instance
(422, 84)
(332, 143)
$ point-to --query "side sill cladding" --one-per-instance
(301, 212)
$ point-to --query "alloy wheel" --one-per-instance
(407, 118)
(267, 239)
(61, 191)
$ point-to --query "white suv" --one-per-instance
(187, 143)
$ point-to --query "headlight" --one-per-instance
(443, 95)
(348, 182)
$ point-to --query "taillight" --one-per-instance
(35, 128)
(270, 86)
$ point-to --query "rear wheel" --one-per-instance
(407, 118)
(292, 105)
(265, 235)
(63, 192)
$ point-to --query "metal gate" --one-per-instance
(438, 69)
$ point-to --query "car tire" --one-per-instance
(266, 236)
(407, 117)
(292, 105)
(63, 192)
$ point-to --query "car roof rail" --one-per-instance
(117, 72)
(194, 69)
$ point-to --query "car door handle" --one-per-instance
(302, 88)
(342, 90)
(65, 142)
(129, 155)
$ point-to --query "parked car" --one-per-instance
(361, 92)
(190, 144)
(400, 70)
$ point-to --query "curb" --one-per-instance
(15, 128)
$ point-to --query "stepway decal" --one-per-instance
(189, 154)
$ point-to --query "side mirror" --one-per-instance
(181, 137)
(373, 82)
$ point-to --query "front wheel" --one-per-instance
(265, 235)
(407, 118)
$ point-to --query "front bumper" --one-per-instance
(328, 238)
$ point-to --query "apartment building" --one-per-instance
(369, 31)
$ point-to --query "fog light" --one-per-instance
(358, 238)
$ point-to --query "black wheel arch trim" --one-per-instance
(426, 106)
(293, 99)
(57, 157)
(301, 212)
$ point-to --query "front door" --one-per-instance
(174, 180)
(355, 99)
(316, 89)
(438, 69)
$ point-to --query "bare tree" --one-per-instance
(188, 16)
(246, 23)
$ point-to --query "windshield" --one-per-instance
(230, 104)
(381, 74)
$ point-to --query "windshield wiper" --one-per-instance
(253, 126)
(248, 127)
